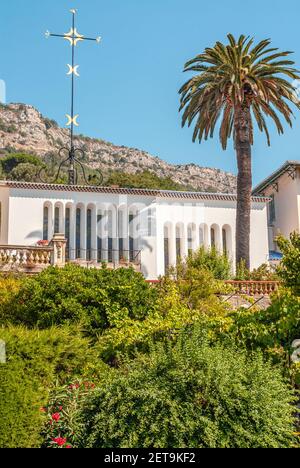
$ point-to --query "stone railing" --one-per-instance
(29, 259)
(26, 259)
(253, 288)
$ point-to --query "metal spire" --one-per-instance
(73, 37)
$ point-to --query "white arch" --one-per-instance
(59, 218)
(227, 240)
(180, 241)
(169, 245)
(215, 237)
(48, 222)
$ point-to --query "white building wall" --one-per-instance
(287, 207)
(24, 212)
(259, 244)
(4, 200)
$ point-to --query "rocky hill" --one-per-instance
(24, 129)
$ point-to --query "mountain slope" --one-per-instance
(24, 129)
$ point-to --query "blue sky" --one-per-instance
(127, 90)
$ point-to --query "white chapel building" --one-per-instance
(148, 228)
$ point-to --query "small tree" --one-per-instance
(289, 269)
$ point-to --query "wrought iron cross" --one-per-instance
(72, 119)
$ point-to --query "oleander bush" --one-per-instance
(191, 394)
(35, 361)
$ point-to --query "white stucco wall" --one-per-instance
(287, 207)
(23, 221)
(4, 200)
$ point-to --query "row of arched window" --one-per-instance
(189, 239)
(112, 240)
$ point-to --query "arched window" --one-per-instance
(131, 237)
(100, 255)
(46, 224)
(56, 220)
(67, 231)
(166, 249)
(78, 233)
(190, 240)
(224, 238)
(121, 234)
(201, 237)
(213, 237)
(178, 243)
(89, 234)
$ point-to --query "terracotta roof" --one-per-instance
(288, 167)
(128, 191)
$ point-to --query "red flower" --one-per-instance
(68, 446)
(60, 441)
(56, 417)
(74, 386)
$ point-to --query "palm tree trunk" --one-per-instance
(242, 125)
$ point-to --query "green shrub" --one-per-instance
(11, 161)
(93, 298)
(36, 360)
(211, 260)
(191, 395)
(62, 414)
(242, 272)
(289, 269)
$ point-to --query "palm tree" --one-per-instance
(235, 85)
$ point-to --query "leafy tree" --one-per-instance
(191, 395)
(12, 161)
(24, 172)
(171, 315)
(145, 179)
(211, 260)
(235, 84)
(289, 269)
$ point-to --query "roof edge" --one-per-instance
(274, 176)
(127, 191)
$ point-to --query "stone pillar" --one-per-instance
(58, 256)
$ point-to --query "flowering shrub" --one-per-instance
(35, 361)
(62, 425)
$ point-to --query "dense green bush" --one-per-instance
(211, 260)
(191, 395)
(144, 179)
(93, 298)
(12, 161)
(289, 269)
(272, 331)
(35, 361)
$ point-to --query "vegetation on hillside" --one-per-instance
(29, 168)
